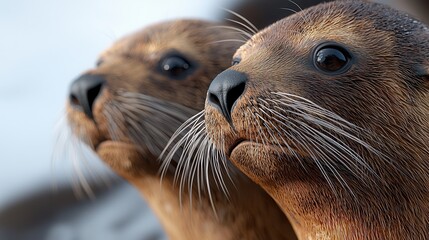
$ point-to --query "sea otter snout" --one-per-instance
(225, 90)
(84, 91)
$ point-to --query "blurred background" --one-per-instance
(44, 45)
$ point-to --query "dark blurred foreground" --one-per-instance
(118, 212)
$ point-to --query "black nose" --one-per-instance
(84, 91)
(225, 89)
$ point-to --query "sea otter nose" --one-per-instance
(225, 90)
(84, 90)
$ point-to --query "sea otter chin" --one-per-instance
(328, 111)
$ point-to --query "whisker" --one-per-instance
(189, 149)
(199, 162)
(187, 172)
(215, 162)
(195, 169)
(61, 135)
(289, 9)
(237, 30)
(294, 118)
(253, 27)
(304, 16)
(219, 159)
(176, 141)
(243, 25)
(330, 138)
(149, 120)
(76, 158)
(296, 4)
(114, 116)
(318, 145)
(228, 40)
(349, 130)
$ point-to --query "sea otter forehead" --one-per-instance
(353, 23)
(190, 36)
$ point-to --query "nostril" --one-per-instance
(74, 100)
(214, 99)
(93, 93)
(234, 94)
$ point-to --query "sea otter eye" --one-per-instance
(175, 66)
(235, 61)
(332, 59)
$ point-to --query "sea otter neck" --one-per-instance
(203, 216)
(162, 194)
(180, 218)
(317, 213)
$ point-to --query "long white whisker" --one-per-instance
(255, 29)
(237, 30)
(228, 40)
(249, 35)
(304, 16)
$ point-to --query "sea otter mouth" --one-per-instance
(90, 131)
(235, 145)
(110, 144)
(98, 144)
(239, 143)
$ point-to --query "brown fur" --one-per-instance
(385, 93)
(131, 66)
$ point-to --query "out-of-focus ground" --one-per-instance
(43, 46)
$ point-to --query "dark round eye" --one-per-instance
(235, 61)
(332, 59)
(175, 66)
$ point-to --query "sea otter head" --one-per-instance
(329, 108)
(144, 87)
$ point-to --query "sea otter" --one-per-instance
(127, 108)
(327, 110)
